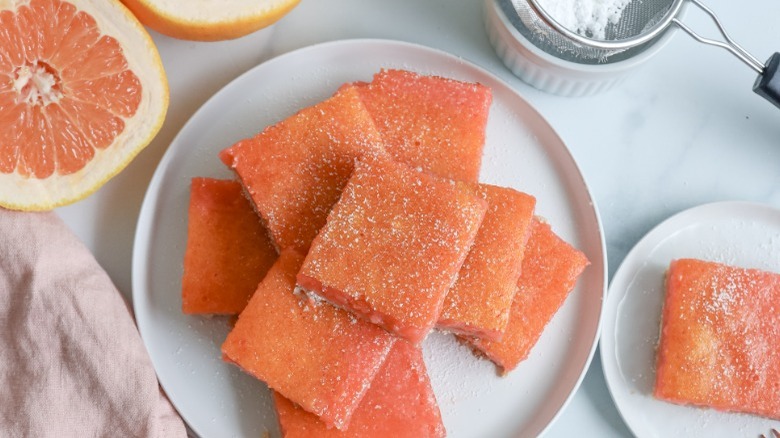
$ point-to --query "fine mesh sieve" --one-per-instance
(641, 22)
(638, 18)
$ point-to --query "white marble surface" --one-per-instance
(684, 130)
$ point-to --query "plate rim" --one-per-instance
(660, 231)
(141, 240)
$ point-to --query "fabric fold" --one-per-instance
(72, 362)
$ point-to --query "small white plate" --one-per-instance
(735, 233)
(522, 151)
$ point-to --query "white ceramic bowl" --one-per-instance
(553, 74)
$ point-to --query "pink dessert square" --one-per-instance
(550, 271)
(720, 338)
(320, 357)
(393, 245)
(434, 123)
(479, 302)
(294, 171)
(400, 404)
(228, 249)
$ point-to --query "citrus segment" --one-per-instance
(36, 156)
(106, 92)
(73, 150)
(82, 91)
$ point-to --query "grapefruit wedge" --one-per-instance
(82, 91)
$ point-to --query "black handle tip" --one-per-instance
(768, 83)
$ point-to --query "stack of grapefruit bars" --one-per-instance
(353, 229)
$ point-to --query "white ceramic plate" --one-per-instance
(522, 151)
(735, 233)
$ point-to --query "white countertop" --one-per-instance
(684, 130)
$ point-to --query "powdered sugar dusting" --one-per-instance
(310, 352)
(723, 297)
(586, 17)
(454, 370)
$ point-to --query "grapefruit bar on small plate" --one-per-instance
(550, 270)
(400, 403)
(393, 246)
(720, 338)
(479, 302)
(294, 171)
(228, 249)
(320, 357)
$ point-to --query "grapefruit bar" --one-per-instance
(479, 302)
(430, 122)
(294, 171)
(550, 270)
(320, 357)
(393, 245)
(720, 338)
(400, 403)
(228, 249)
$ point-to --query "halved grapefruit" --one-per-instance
(82, 91)
(209, 20)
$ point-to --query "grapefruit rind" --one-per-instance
(115, 20)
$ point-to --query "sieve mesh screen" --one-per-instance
(637, 17)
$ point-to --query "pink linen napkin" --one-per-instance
(71, 360)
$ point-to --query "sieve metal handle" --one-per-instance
(729, 44)
(767, 84)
